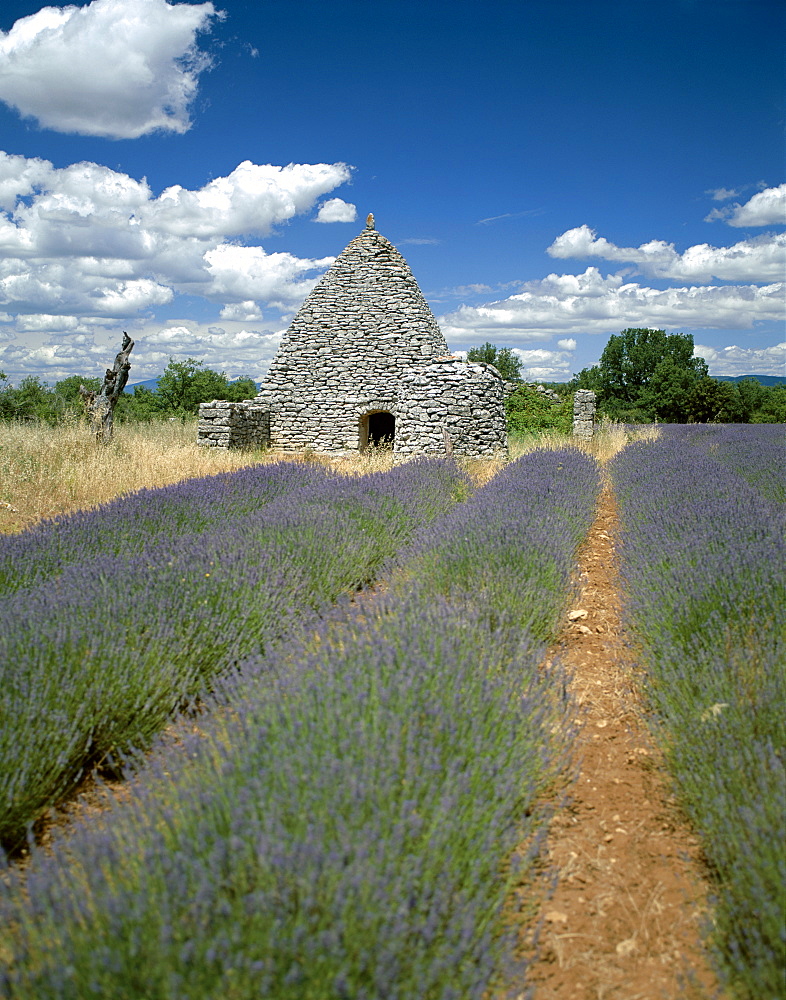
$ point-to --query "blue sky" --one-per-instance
(554, 172)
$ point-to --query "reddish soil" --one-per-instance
(623, 922)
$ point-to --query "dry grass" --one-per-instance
(609, 438)
(46, 471)
(49, 470)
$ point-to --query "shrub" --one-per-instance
(348, 821)
(704, 561)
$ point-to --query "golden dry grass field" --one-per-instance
(45, 471)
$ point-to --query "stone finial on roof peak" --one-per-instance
(370, 221)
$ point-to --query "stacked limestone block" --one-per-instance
(233, 425)
(454, 406)
(584, 406)
(361, 327)
(365, 342)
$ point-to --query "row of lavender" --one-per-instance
(704, 562)
(114, 619)
(348, 821)
(136, 523)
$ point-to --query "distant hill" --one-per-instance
(152, 384)
(763, 379)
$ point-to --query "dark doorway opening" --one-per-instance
(377, 430)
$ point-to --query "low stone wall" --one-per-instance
(584, 406)
(451, 406)
(233, 425)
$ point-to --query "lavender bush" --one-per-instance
(346, 822)
(98, 657)
(133, 523)
(704, 564)
(757, 452)
(511, 550)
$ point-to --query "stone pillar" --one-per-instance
(584, 413)
(233, 425)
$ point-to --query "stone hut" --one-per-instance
(365, 363)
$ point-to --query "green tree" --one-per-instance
(751, 395)
(66, 393)
(140, 405)
(503, 359)
(186, 384)
(772, 407)
(636, 367)
(240, 389)
(5, 399)
(714, 402)
(68, 388)
(32, 399)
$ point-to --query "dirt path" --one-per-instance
(623, 922)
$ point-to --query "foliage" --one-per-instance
(347, 825)
(113, 618)
(33, 400)
(646, 375)
(710, 401)
(528, 409)
(181, 388)
(503, 359)
(186, 384)
(771, 406)
(704, 560)
(635, 367)
(561, 389)
(67, 389)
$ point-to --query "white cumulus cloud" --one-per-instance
(767, 208)
(336, 210)
(541, 365)
(762, 258)
(240, 273)
(567, 304)
(114, 68)
(88, 240)
(84, 245)
(252, 199)
(734, 360)
(246, 311)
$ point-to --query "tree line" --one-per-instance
(180, 390)
(643, 376)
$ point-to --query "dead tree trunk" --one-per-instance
(100, 406)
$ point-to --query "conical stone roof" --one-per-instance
(366, 317)
(364, 362)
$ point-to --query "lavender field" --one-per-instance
(345, 821)
(352, 806)
(116, 618)
(704, 566)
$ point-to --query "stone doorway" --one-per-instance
(377, 430)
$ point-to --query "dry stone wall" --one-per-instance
(454, 406)
(365, 342)
(233, 425)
